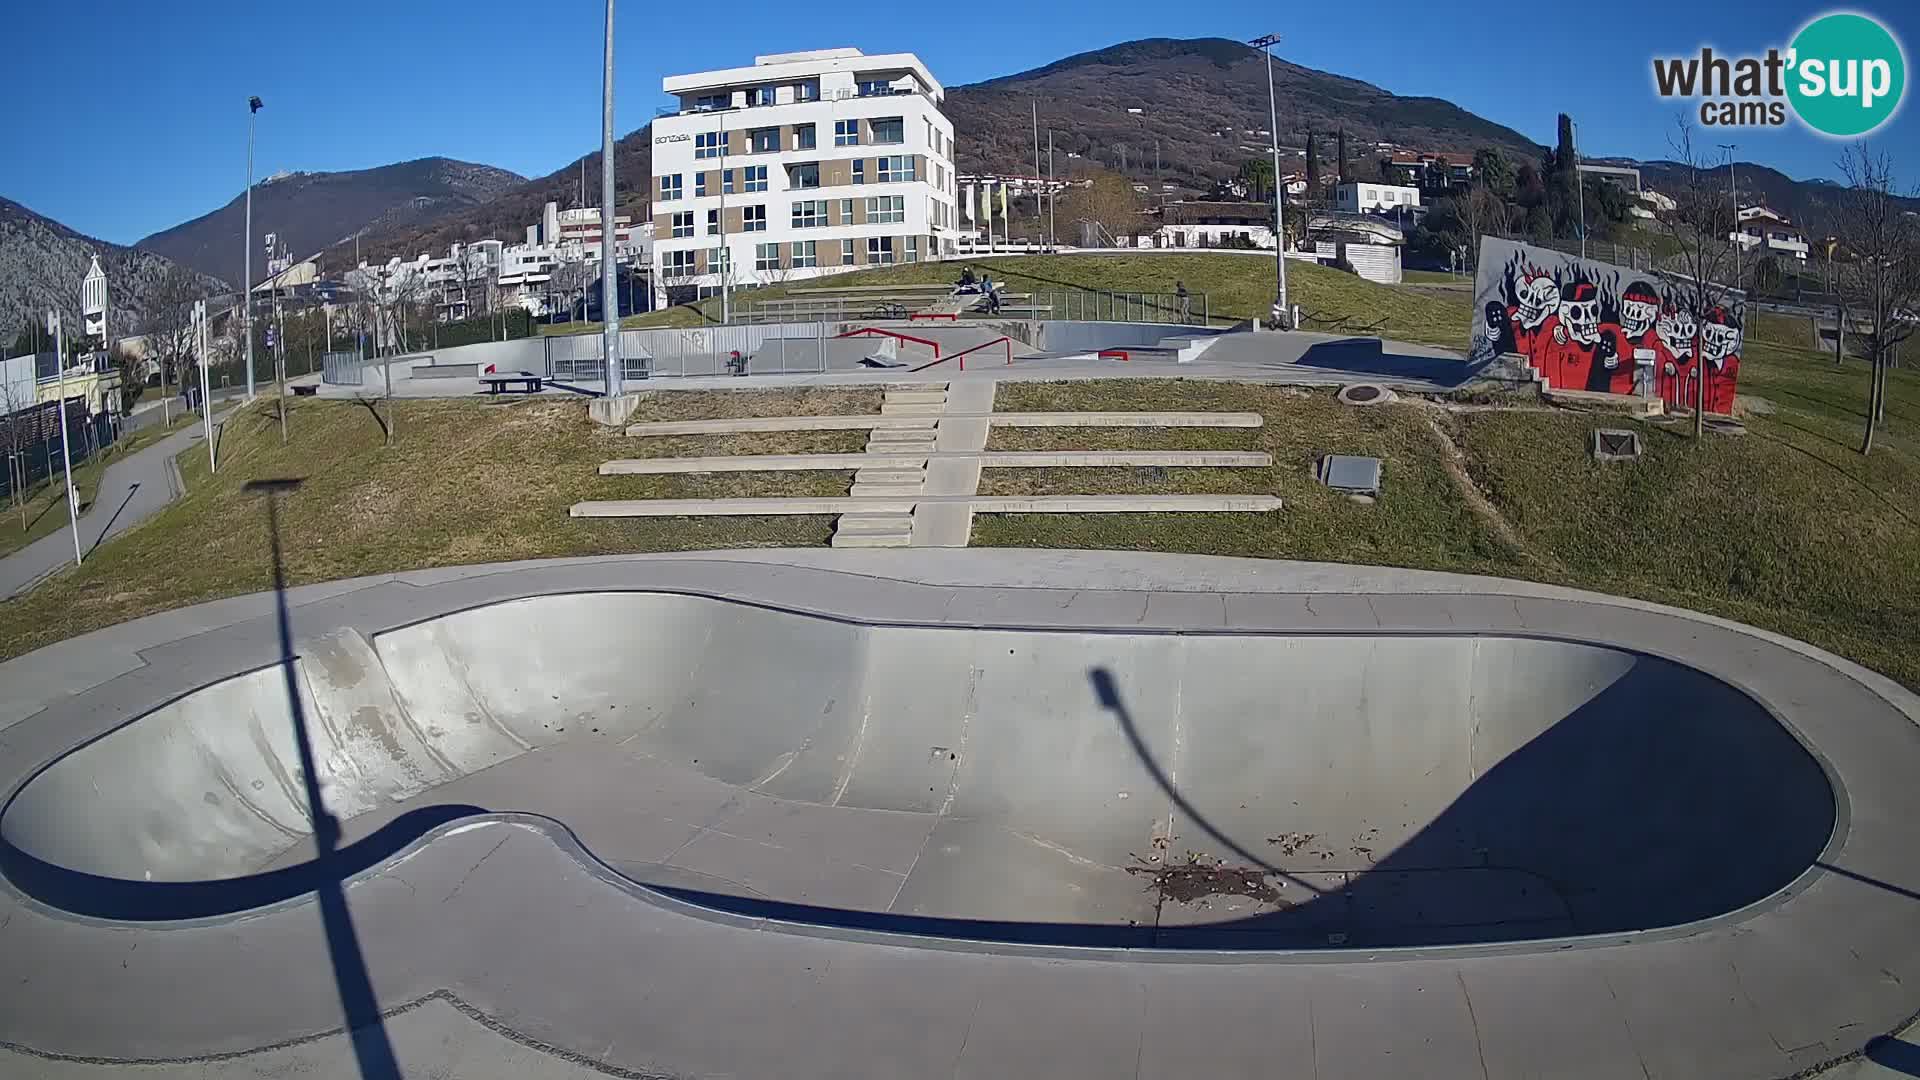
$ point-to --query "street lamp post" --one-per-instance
(609, 289)
(246, 286)
(66, 454)
(1281, 313)
(1580, 186)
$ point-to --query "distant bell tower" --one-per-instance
(93, 302)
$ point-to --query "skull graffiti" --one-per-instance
(1638, 308)
(1538, 299)
(1676, 327)
(1580, 312)
(1719, 337)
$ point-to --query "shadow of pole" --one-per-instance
(371, 1047)
(108, 527)
(1107, 692)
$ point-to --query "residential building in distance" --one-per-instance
(1763, 229)
(1359, 198)
(1432, 173)
(803, 164)
(1215, 224)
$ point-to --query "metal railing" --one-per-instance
(1093, 305)
(343, 369)
(1083, 305)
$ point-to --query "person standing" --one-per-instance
(1186, 304)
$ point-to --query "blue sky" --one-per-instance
(159, 135)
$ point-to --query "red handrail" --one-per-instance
(962, 354)
(874, 331)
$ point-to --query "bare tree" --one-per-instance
(169, 325)
(1482, 212)
(16, 435)
(1880, 277)
(1110, 203)
(1700, 226)
(569, 279)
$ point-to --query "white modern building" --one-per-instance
(1764, 229)
(803, 164)
(1358, 198)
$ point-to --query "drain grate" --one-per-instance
(1615, 444)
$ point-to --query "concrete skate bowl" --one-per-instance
(1212, 791)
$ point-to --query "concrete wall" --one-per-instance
(1608, 790)
(1058, 336)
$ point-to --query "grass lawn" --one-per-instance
(45, 508)
(464, 482)
(1434, 277)
(1237, 287)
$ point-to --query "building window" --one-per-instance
(846, 211)
(894, 169)
(699, 185)
(807, 91)
(764, 140)
(753, 219)
(804, 176)
(759, 95)
(859, 170)
(846, 253)
(713, 223)
(803, 137)
(683, 223)
(670, 187)
(709, 144)
(889, 129)
(846, 133)
(711, 102)
(875, 87)
(726, 182)
(912, 253)
(718, 261)
(887, 210)
(679, 264)
(810, 214)
(880, 249)
(766, 256)
(755, 178)
(805, 254)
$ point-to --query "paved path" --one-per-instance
(133, 489)
(496, 941)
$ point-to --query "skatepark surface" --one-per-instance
(817, 813)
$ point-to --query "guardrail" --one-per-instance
(874, 331)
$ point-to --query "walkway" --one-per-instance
(133, 489)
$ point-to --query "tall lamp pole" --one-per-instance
(1579, 186)
(66, 455)
(609, 291)
(246, 287)
(1733, 184)
(1281, 313)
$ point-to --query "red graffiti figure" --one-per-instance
(1636, 345)
(1576, 349)
(1720, 359)
(1674, 374)
(1533, 318)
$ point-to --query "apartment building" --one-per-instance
(804, 164)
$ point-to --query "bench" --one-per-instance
(307, 390)
(498, 381)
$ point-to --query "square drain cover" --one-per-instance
(1360, 475)
(1614, 444)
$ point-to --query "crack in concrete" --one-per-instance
(470, 870)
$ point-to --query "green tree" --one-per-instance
(1257, 173)
(1491, 168)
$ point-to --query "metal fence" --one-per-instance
(743, 349)
(1083, 305)
(1091, 305)
(343, 369)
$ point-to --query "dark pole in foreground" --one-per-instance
(1281, 313)
(609, 294)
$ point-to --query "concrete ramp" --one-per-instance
(1222, 790)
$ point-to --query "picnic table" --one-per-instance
(498, 381)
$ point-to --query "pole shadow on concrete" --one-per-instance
(108, 527)
(1894, 1054)
(365, 1027)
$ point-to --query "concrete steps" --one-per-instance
(873, 531)
(913, 408)
(886, 491)
(890, 476)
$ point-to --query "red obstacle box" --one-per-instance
(950, 316)
(1115, 354)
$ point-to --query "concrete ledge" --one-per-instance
(994, 459)
(896, 422)
(1035, 504)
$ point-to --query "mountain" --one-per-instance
(1202, 100)
(311, 211)
(1808, 203)
(506, 215)
(42, 262)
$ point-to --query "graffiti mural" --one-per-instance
(1587, 325)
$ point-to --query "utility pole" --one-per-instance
(1053, 199)
(1037, 223)
(206, 406)
(1579, 185)
(66, 455)
(1282, 314)
(246, 287)
(726, 259)
(1733, 184)
(609, 290)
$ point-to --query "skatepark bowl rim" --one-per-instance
(1078, 765)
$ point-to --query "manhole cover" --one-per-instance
(1365, 394)
(1356, 475)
